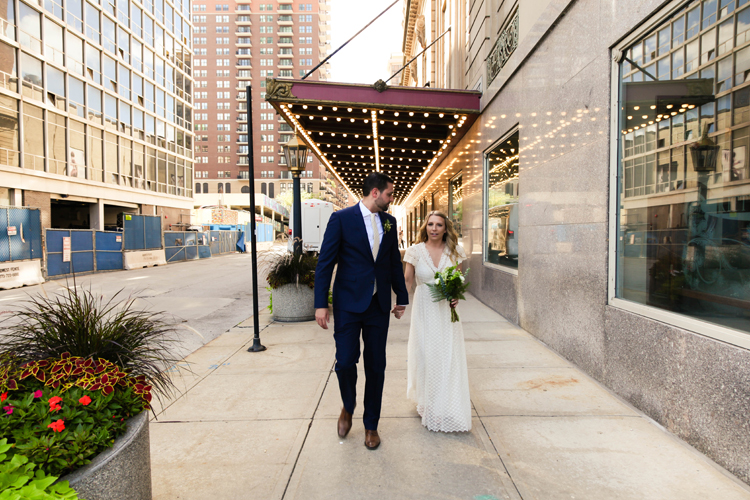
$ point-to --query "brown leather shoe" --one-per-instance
(372, 440)
(345, 423)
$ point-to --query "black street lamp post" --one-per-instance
(295, 152)
(704, 153)
(257, 346)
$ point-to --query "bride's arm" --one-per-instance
(409, 276)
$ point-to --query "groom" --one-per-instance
(363, 240)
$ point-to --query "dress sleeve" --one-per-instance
(411, 256)
(461, 254)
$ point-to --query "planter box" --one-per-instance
(122, 472)
(293, 303)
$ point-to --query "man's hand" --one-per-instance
(321, 316)
(398, 311)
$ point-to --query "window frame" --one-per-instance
(486, 199)
(676, 320)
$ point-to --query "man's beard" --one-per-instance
(382, 205)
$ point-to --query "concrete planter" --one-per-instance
(293, 303)
(122, 472)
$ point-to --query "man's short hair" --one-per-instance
(375, 180)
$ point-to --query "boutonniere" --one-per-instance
(387, 226)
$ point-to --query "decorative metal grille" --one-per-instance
(504, 46)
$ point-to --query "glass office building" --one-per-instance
(96, 108)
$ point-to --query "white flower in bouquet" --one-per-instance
(437, 281)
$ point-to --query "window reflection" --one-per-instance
(30, 28)
(456, 203)
(684, 197)
(502, 203)
(8, 131)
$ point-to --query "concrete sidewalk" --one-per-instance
(263, 426)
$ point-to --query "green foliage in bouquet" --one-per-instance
(19, 480)
(449, 284)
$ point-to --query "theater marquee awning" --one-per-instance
(354, 129)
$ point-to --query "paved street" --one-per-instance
(206, 297)
(263, 426)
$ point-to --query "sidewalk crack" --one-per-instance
(307, 433)
(494, 447)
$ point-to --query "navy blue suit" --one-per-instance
(355, 308)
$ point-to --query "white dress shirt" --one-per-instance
(368, 225)
(366, 215)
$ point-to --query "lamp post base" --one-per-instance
(256, 347)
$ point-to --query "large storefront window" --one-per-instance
(501, 216)
(683, 167)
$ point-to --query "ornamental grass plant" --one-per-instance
(282, 267)
(73, 369)
(85, 325)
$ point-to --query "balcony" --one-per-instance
(286, 64)
(244, 42)
(243, 20)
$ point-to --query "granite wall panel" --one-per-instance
(697, 387)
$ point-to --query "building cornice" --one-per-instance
(407, 47)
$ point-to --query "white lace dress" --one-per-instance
(438, 380)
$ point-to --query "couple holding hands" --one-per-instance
(363, 241)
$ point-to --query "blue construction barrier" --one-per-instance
(20, 234)
(90, 251)
(264, 232)
(108, 250)
(81, 251)
(141, 232)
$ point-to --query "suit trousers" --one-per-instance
(373, 324)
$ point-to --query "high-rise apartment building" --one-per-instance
(96, 110)
(241, 44)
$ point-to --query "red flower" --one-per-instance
(85, 400)
(3, 396)
(57, 426)
(54, 403)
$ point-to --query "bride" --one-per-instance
(438, 380)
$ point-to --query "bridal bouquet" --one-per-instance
(450, 284)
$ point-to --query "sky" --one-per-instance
(364, 59)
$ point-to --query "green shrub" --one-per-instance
(19, 480)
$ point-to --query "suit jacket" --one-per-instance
(345, 242)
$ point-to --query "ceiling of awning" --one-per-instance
(403, 132)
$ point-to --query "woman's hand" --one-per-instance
(454, 303)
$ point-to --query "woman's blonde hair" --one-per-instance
(450, 237)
